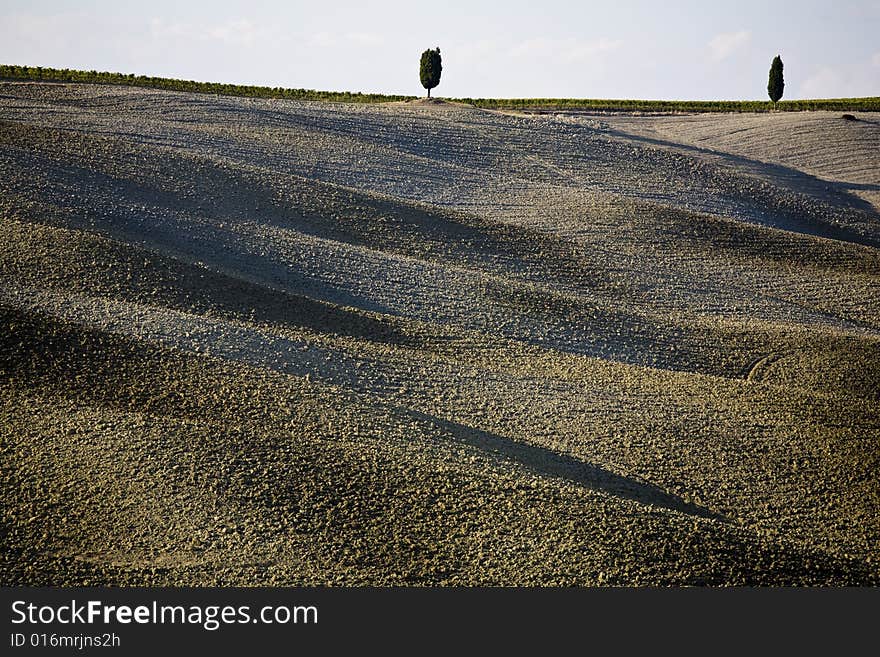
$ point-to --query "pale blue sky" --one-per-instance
(608, 49)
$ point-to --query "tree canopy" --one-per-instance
(430, 68)
(775, 84)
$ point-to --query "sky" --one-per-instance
(499, 49)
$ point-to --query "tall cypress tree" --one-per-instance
(776, 84)
(430, 69)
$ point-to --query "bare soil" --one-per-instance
(251, 342)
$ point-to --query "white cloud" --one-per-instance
(162, 29)
(581, 51)
(233, 32)
(817, 85)
(535, 47)
(724, 45)
(472, 51)
(567, 50)
(31, 38)
(324, 40)
(241, 32)
(332, 40)
(365, 39)
(830, 82)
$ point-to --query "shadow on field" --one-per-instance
(549, 463)
(838, 194)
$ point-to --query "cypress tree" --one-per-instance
(776, 84)
(430, 68)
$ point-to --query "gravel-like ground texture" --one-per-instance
(251, 342)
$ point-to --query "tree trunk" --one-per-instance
(429, 92)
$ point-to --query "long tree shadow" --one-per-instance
(550, 463)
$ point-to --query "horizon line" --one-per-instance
(398, 96)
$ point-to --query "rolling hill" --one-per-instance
(258, 341)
